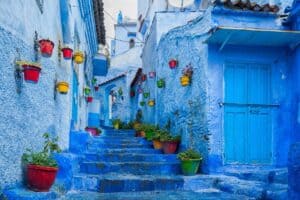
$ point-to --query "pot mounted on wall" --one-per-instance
(89, 99)
(132, 93)
(142, 103)
(62, 87)
(146, 95)
(185, 80)
(161, 83)
(173, 63)
(46, 47)
(87, 91)
(67, 53)
(144, 77)
(78, 57)
(31, 71)
(96, 87)
(151, 102)
(152, 74)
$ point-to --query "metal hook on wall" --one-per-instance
(18, 72)
(36, 46)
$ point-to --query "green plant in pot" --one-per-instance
(190, 161)
(40, 167)
(170, 143)
(116, 123)
(156, 139)
(150, 131)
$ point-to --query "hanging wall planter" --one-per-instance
(62, 87)
(89, 99)
(67, 53)
(146, 95)
(173, 63)
(151, 102)
(94, 81)
(185, 80)
(78, 57)
(187, 74)
(144, 77)
(152, 74)
(46, 47)
(31, 71)
(142, 103)
(96, 88)
(161, 83)
(87, 91)
(132, 93)
(140, 90)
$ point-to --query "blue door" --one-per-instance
(247, 114)
(74, 100)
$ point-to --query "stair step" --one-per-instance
(21, 193)
(128, 157)
(277, 191)
(118, 146)
(116, 140)
(129, 133)
(155, 195)
(115, 182)
(138, 168)
(131, 150)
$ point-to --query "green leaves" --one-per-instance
(189, 154)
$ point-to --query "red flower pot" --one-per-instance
(40, 178)
(132, 93)
(31, 73)
(89, 99)
(93, 131)
(170, 147)
(144, 77)
(173, 63)
(96, 88)
(67, 53)
(46, 47)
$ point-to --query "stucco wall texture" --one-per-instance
(26, 116)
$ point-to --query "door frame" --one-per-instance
(248, 61)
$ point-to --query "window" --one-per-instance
(131, 43)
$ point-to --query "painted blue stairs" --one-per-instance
(117, 165)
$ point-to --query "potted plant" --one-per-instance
(140, 90)
(87, 91)
(62, 87)
(160, 83)
(173, 63)
(151, 102)
(139, 130)
(94, 81)
(41, 167)
(132, 93)
(190, 161)
(96, 87)
(157, 144)
(187, 74)
(144, 77)
(116, 123)
(94, 131)
(146, 94)
(152, 74)
(46, 47)
(150, 131)
(78, 57)
(142, 103)
(31, 71)
(89, 99)
(67, 53)
(170, 143)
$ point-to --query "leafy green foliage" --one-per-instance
(170, 138)
(160, 134)
(127, 126)
(189, 154)
(43, 158)
(116, 121)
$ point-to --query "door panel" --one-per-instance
(247, 117)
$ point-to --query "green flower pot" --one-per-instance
(190, 167)
(87, 91)
(160, 83)
(142, 103)
(146, 95)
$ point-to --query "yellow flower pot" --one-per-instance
(78, 57)
(62, 87)
(185, 80)
(151, 103)
(157, 144)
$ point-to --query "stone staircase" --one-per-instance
(117, 165)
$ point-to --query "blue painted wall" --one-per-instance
(26, 116)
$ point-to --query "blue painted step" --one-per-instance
(21, 193)
(116, 182)
(117, 146)
(118, 151)
(137, 168)
(209, 194)
(119, 140)
(134, 157)
(127, 133)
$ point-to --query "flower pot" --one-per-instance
(170, 147)
(78, 57)
(144, 77)
(46, 47)
(132, 93)
(40, 178)
(94, 81)
(142, 103)
(190, 167)
(93, 131)
(96, 88)
(116, 126)
(151, 102)
(157, 144)
(185, 81)
(140, 90)
(89, 99)
(87, 91)
(31, 72)
(62, 87)
(173, 63)
(152, 74)
(161, 83)
(67, 53)
(146, 95)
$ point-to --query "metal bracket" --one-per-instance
(59, 51)
(36, 46)
(18, 72)
(55, 91)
